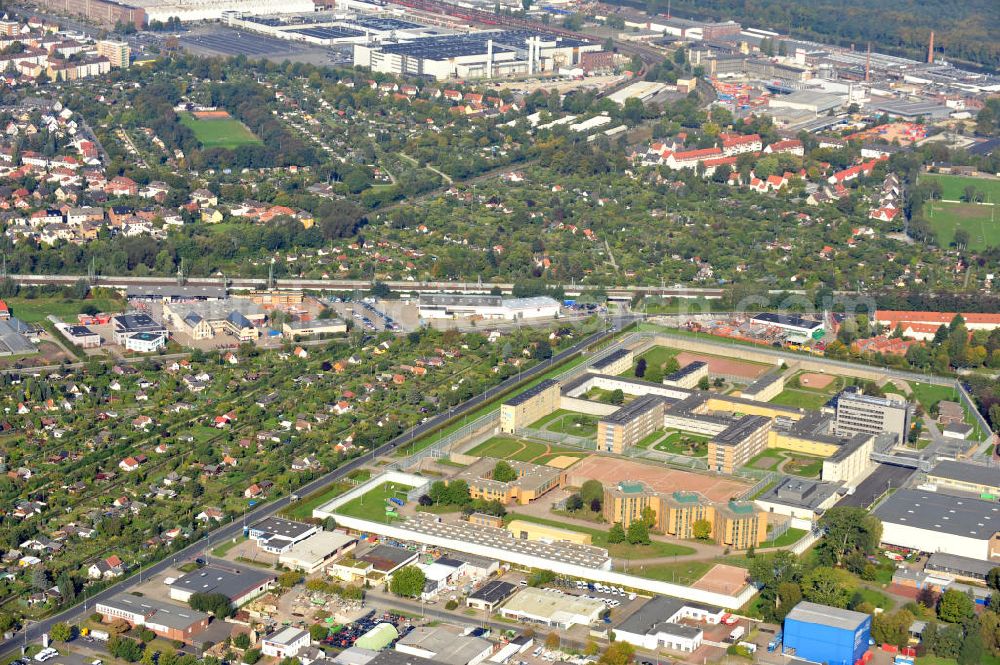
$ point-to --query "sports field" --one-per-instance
(506, 447)
(953, 186)
(611, 470)
(981, 222)
(225, 132)
(371, 505)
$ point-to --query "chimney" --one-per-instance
(930, 49)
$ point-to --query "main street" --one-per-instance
(34, 630)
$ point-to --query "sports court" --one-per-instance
(816, 381)
(722, 578)
(720, 365)
(612, 470)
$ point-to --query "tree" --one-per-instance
(289, 578)
(504, 472)
(702, 529)
(616, 534)
(251, 656)
(789, 595)
(638, 533)
(617, 653)
(214, 603)
(592, 490)
(892, 628)
(574, 502)
(318, 632)
(241, 640)
(955, 606)
(971, 651)
(824, 586)
(552, 641)
(703, 383)
(61, 632)
(408, 581)
(993, 578)
(640, 368)
(617, 396)
(850, 528)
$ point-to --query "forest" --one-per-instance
(964, 30)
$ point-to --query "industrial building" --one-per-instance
(801, 499)
(489, 596)
(449, 306)
(238, 317)
(528, 406)
(805, 100)
(860, 413)
(739, 443)
(314, 552)
(105, 13)
(210, 10)
(488, 54)
(276, 535)
(285, 642)
(293, 329)
(145, 342)
(446, 644)
(967, 477)
(824, 634)
(174, 622)
(82, 336)
(933, 522)
(657, 624)
(553, 608)
(129, 324)
(525, 530)
(626, 427)
(796, 327)
(238, 583)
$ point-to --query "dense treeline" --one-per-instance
(964, 30)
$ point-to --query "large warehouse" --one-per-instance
(488, 54)
(206, 10)
(932, 522)
(825, 634)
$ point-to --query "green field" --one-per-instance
(687, 572)
(952, 186)
(36, 309)
(563, 421)
(789, 537)
(981, 222)
(506, 447)
(655, 357)
(219, 133)
(929, 394)
(303, 508)
(679, 443)
(599, 537)
(802, 399)
(371, 505)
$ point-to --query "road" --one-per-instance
(34, 630)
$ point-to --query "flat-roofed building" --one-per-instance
(739, 525)
(533, 480)
(530, 405)
(277, 535)
(174, 622)
(238, 583)
(525, 530)
(967, 477)
(445, 644)
(313, 328)
(616, 362)
(857, 412)
(765, 388)
(311, 554)
(688, 376)
(959, 567)
(285, 642)
(796, 327)
(553, 608)
(933, 522)
(657, 625)
(799, 498)
(739, 443)
(82, 336)
(125, 325)
(626, 427)
(489, 596)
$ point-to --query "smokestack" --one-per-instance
(930, 49)
(489, 59)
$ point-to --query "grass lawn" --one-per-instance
(564, 421)
(877, 598)
(979, 221)
(988, 659)
(303, 508)
(679, 443)
(929, 394)
(802, 399)
(650, 438)
(807, 467)
(784, 540)
(767, 460)
(506, 447)
(599, 537)
(36, 309)
(686, 572)
(371, 505)
(219, 133)
(655, 357)
(222, 549)
(953, 186)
